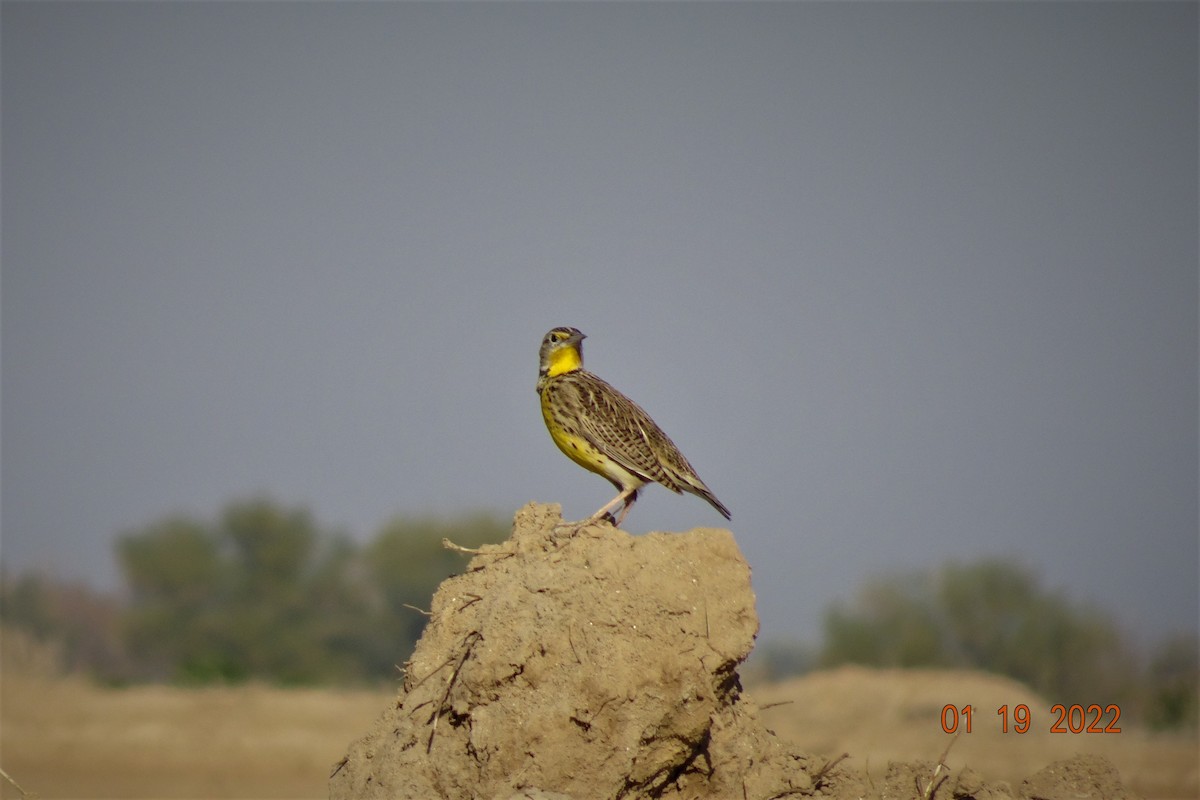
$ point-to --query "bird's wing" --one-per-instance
(621, 430)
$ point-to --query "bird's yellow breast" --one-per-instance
(576, 448)
(563, 360)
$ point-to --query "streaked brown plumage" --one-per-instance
(604, 431)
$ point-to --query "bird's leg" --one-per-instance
(628, 505)
(623, 497)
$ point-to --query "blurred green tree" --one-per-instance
(991, 615)
(1173, 682)
(265, 593)
(79, 624)
(176, 580)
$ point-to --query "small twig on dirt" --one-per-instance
(338, 766)
(480, 551)
(469, 642)
(474, 599)
(458, 548)
(931, 787)
(15, 784)
(571, 641)
(765, 706)
(827, 768)
(418, 610)
(596, 713)
(433, 672)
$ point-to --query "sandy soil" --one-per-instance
(878, 716)
(69, 739)
(564, 659)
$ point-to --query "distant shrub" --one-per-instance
(265, 593)
(992, 615)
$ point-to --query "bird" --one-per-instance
(605, 432)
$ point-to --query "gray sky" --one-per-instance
(905, 282)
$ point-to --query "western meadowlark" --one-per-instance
(604, 431)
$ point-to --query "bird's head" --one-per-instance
(562, 351)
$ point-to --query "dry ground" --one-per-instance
(67, 739)
(64, 738)
(883, 715)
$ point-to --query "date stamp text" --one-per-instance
(1019, 719)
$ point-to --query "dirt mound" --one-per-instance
(577, 661)
(581, 662)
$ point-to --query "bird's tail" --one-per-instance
(703, 491)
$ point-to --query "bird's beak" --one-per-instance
(577, 338)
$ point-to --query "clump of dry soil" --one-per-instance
(577, 661)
